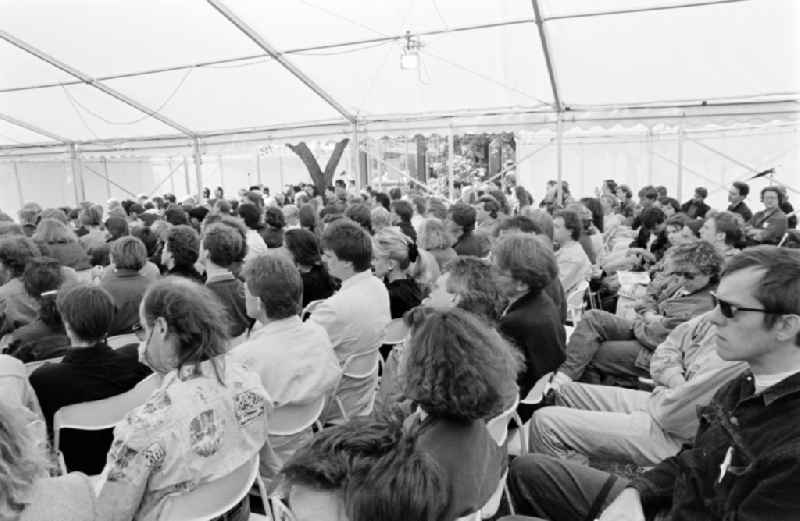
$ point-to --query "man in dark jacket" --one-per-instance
(745, 460)
(696, 207)
(736, 196)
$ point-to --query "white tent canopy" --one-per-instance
(152, 78)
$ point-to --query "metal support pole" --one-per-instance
(258, 169)
(19, 185)
(679, 191)
(548, 55)
(222, 172)
(355, 160)
(650, 150)
(559, 161)
(186, 176)
(171, 175)
(105, 175)
(450, 163)
(198, 169)
(74, 169)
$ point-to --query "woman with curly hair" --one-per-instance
(471, 284)
(434, 238)
(459, 373)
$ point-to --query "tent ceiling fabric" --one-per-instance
(483, 58)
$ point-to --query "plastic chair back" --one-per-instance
(103, 414)
(395, 333)
(498, 426)
(295, 418)
(213, 499)
(361, 365)
(117, 341)
(575, 302)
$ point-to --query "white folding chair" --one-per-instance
(30, 367)
(117, 341)
(310, 307)
(211, 500)
(101, 414)
(395, 333)
(575, 303)
(295, 418)
(360, 366)
(498, 429)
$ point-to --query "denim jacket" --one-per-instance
(745, 462)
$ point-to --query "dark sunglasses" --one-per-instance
(729, 310)
(688, 275)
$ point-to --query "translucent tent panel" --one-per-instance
(16, 135)
(325, 22)
(556, 8)
(716, 51)
(57, 110)
(256, 93)
(496, 66)
(19, 68)
(118, 36)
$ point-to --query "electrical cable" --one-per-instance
(137, 120)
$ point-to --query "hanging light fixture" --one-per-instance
(409, 60)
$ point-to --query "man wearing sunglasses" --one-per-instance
(744, 463)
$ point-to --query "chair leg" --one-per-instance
(508, 499)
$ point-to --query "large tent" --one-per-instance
(113, 98)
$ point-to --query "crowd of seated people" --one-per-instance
(681, 356)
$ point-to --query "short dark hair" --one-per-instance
(779, 288)
(341, 453)
(42, 274)
(277, 283)
(129, 253)
(176, 216)
(773, 189)
(407, 483)
(117, 227)
(572, 222)
(307, 216)
(517, 223)
(148, 238)
(456, 367)
(184, 245)
(463, 215)
(223, 243)
(16, 252)
(681, 220)
(701, 191)
(652, 217)
(731, 224)
(395, 194)
(742, 188)
(88, 310)
(91, 216)
(383, 199)
(648, 192)
(527, 259)
(361, 214)
(542, 219)
(403, 209)
(349, 242)
(251, 215)
(669, 201)
(304, 247)
(625, 189)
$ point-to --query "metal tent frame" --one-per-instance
(351, 124)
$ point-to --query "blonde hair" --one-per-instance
(392, 243)
(22, 461)
(380, 217)
(433, 235)
(53, 231)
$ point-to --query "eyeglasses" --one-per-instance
(729, 310)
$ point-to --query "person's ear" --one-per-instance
(787, 327)
(160, 326)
